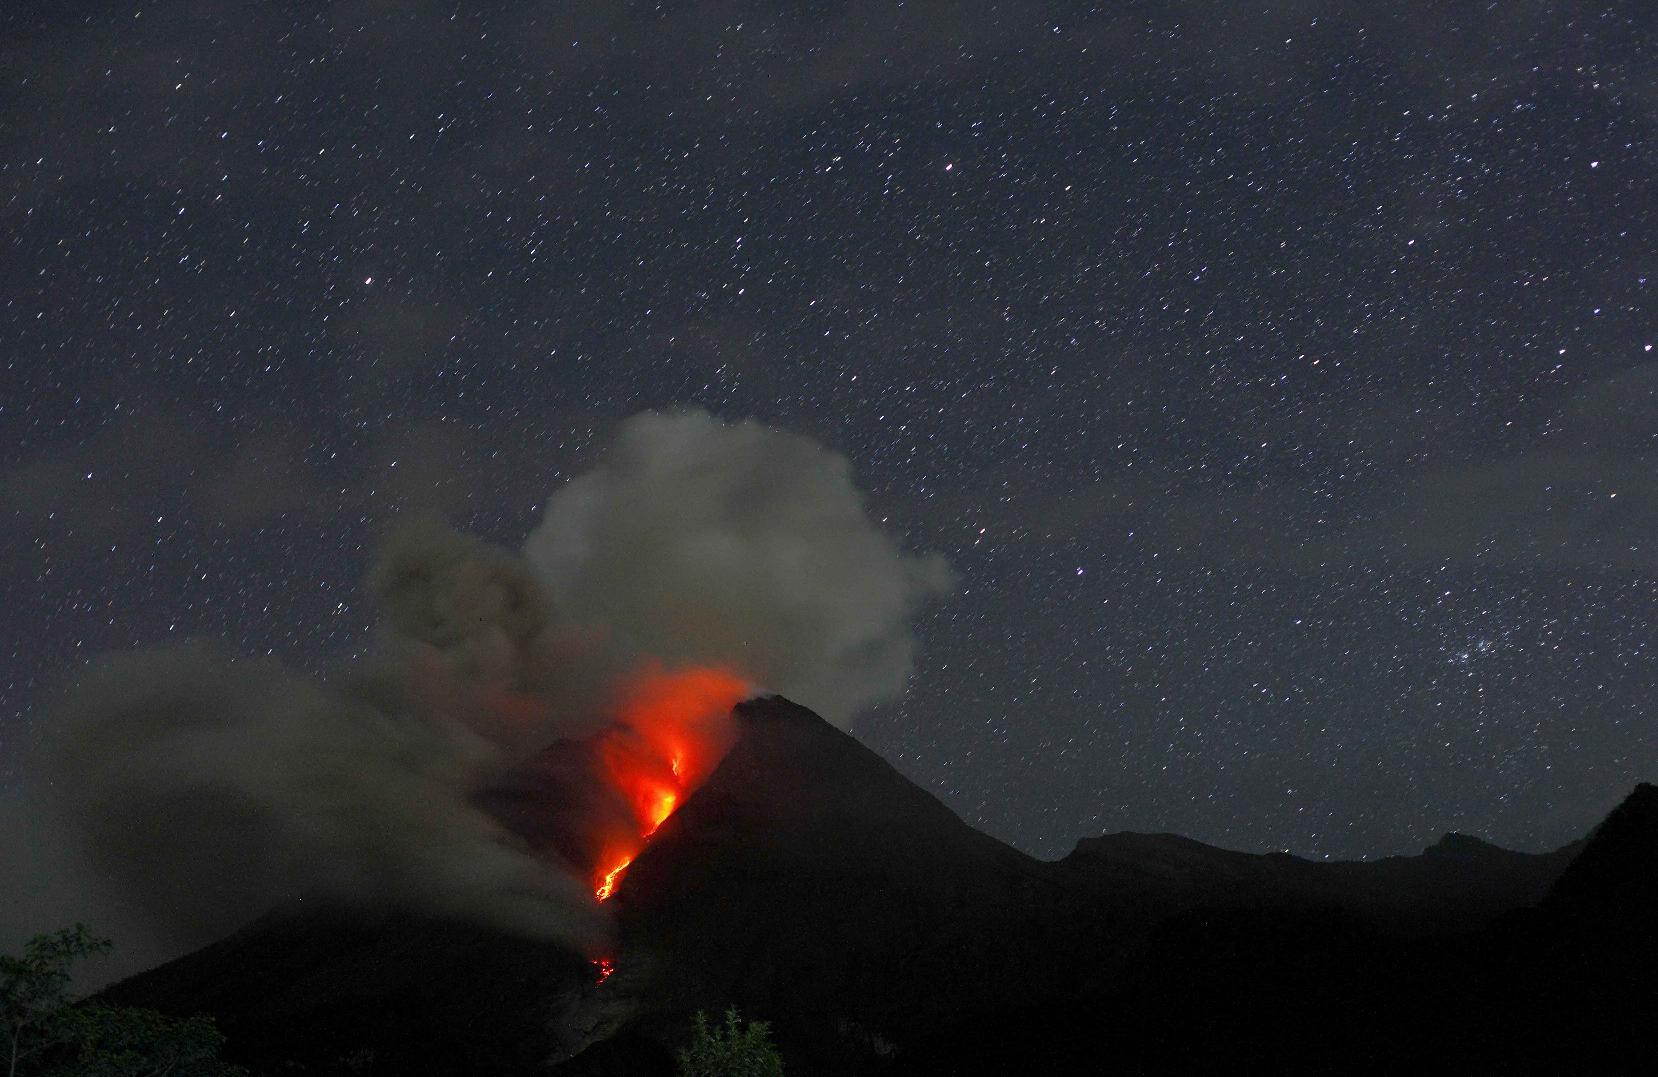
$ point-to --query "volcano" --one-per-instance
(810, 884)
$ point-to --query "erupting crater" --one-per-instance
(672, 730)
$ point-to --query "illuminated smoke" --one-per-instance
(697, 559)
(672, 730)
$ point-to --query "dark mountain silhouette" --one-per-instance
(1615, 876)
(810, 884)
(1460, 881)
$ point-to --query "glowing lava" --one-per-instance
(673, 728)
(608, 886)
(661, 807)
(605, 968)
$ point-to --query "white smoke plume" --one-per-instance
(696, 540)
(200, 790)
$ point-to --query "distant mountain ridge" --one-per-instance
(811, 884)
(1458, 882)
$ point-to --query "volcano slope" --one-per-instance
(810, 884)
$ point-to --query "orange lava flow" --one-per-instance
(672, 730)
(605, 967)
(608, 886)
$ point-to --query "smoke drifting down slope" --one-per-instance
(698, 558)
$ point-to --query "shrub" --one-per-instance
(44, 1031)
(737, 1048)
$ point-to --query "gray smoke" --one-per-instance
(210, 789)
(187, 792)
(474, 639)
(696, 540)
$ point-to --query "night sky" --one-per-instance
(1280, 385)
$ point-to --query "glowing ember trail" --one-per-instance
(608, 886)
(672, 731)
(605, 968)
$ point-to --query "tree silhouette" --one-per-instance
(48, 1033)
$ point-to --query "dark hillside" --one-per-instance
(810, 884)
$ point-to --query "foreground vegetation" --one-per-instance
(736, 1048)
(45, 1032)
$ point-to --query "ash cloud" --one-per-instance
(204, 790)
(180, 792)
(696, 540)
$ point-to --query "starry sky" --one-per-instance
(1280, 383)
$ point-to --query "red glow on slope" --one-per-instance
(605, 967)
(607, 885)
(673, 728)
(661, 807)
